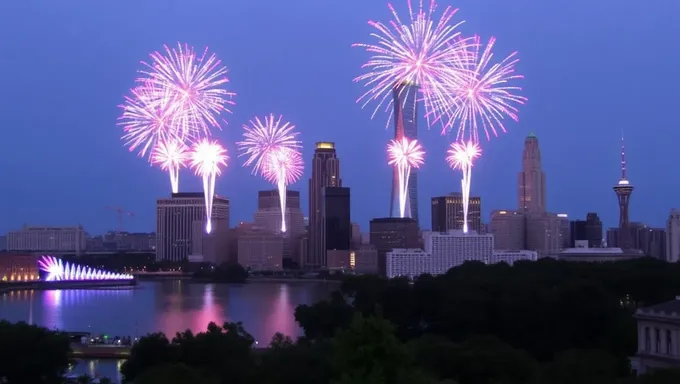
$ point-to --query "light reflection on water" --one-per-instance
(168, 306)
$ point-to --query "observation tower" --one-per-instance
(623, 190)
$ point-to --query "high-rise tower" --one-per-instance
(531, 180)
(405, 125)
(325, 173)
(623, 190)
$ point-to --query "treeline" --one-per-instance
(545, 322)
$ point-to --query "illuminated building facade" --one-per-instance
(447, 213)
(325, 173)
(16, 267)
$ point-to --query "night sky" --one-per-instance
(594, 69)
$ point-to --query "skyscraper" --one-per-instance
(325, 173)
(447, 213)
(337, 226)
(180, 221)
(623, 190)
(531, 180)
(405, 125)
(393, 232)
(589, 230)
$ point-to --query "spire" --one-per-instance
(623, 159)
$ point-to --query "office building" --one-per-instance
(658, 327)
(268, 214)
(443, 251)
(565, 230)
(543, 233)
(589, 230)
(673, 236)
(623, 190)
(583, 253)
(405, 102)
(389, 233)
(447, 213)
(531, 180)
(651, 241)
(16, 267)
(325, 173)
(260, 251)
(338, 226)
(364, 259)
(175, 223)
(356, 236)
(56, 240)
(508, 229)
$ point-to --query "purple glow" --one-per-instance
(58, 270)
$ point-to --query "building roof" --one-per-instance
(592, 251)
(671, 307)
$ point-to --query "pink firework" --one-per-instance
(207, 158)
(260, 138)
(171, 155)
(283, 167)
(404, 154)
(418, 52)
(147, 118)
(485, 97)
(193, 84)
(461, 156)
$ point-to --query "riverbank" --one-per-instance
(111, 352)
(47, 285)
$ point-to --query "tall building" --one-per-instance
(260, 251)
(325, 173)
(389, 233)
(623, 190)
(531, 180)
(48, 239)
(543, 234)
(269, 199)
(508, 229)
(405, 98)
(565, 230)
(447, 213)
(177, 221)
(337, 220)
(651, 241)
(589, 230)
(673, 236)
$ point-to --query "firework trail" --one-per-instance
(147, 118)
(461, 156)
(485, 97)
(272, 148)
(284, 166)
(193, 84)
(420, 52)
(206, 159)
(171, 155)
(404, 154)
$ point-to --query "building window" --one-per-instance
(657, 344)
(669, 343)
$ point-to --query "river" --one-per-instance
(168, 306)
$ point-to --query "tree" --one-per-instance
(30, 354)
(368, 352)
(581, 367)
(322, 319)
(173, 374)
(286, 361)
(150, 351)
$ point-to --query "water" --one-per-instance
(168, 306)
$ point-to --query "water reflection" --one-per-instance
(182, 313)
(280, 318)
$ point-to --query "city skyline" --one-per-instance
(558, 68)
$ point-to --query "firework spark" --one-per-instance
(193, 83)
(147, 118)
(283, 167)
(485, 97)
(272, 148)
(461, 156)
(404, 154)
(418, 52)
(171, 156)
(207, 158)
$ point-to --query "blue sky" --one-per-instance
(594, 69)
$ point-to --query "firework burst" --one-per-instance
(171, 155)
(419, 52)
(260, 138)
(404, 154)
(194, 84)
(147, 118)
(272, 148)
(461, 156)
(207, 158)
(485, 96)
(284, 166)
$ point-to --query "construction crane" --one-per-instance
(121, 213)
